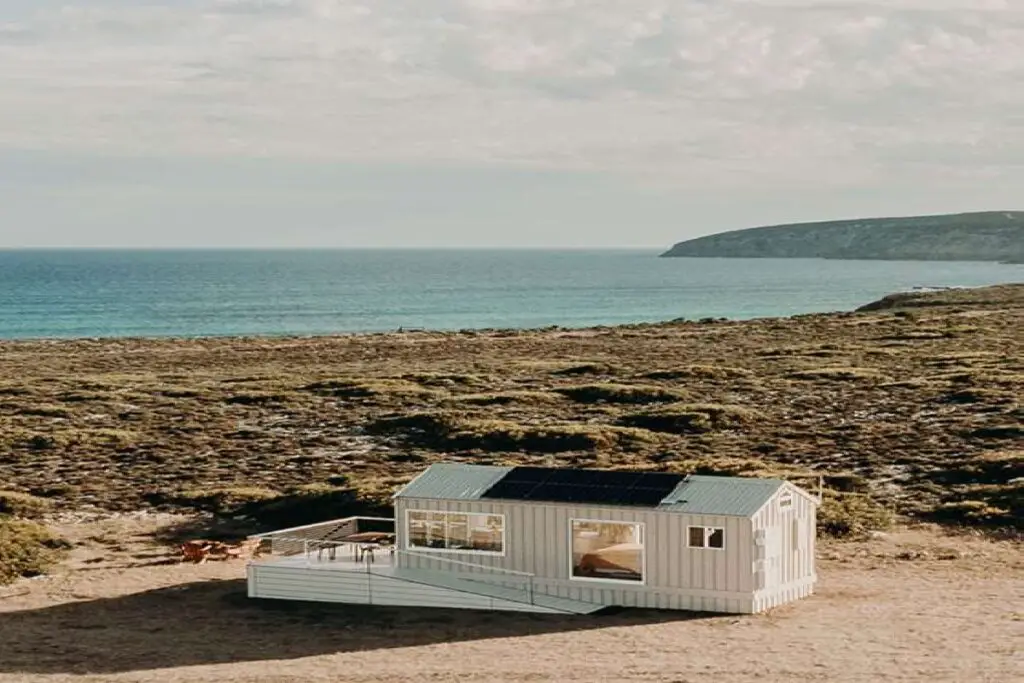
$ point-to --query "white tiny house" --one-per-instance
(565, 540)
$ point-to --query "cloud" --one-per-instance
(713, 93)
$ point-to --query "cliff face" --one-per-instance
(987, 236)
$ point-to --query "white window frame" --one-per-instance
(708, 531)
(618, 582)
(786, 500)
(456, 551)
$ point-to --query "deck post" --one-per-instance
(529, 588)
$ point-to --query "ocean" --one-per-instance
(125, 293)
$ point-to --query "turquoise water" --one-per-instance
(210, 293)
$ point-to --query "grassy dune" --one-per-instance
(912, 407)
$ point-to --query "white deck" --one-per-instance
(344, 580)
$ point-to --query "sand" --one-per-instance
(917, 604)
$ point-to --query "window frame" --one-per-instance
(456, 551)
(786, 499)
(596, 579)
(708, 532)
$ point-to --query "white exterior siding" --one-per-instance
(787, 562)
(537, 541)
(364, 588)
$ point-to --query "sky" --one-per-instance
(497, 123)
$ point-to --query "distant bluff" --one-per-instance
(982, 236)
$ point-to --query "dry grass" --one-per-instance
(692, 418)
(451, 431)
(27, 549)
(621, 393)
(17, 504)
(909, 422)
(711, 372)
(844, 374)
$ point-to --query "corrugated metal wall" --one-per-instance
(537, 540)
(785, 548)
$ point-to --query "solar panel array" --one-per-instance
(604, 487)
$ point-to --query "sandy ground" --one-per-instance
(914, 605)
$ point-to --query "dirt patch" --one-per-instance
(916, 605)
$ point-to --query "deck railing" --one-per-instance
(446, 572)
(380, 560)
(296, 540)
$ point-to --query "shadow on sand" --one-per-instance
(213, 622)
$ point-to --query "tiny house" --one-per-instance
(561, 540)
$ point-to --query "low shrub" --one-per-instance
(621, 393)
(714, 372)
(440, 379)
(255, 399)
(684, 418)
(27, 549)
(223, 501)
(370, 388)
(510, 397)
(307, 505)
(445, 431)
(18, 504)
(851, 515)
(586, 369)
(974, 512)
(844, 374)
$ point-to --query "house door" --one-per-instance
(767, 557)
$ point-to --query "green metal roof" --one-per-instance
(453, 481)
(706, 495)
(695, 495)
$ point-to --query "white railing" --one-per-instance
(494, 577)
(378, 559)
(293, 541)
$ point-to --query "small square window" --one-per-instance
(706, 537)
(785, 500)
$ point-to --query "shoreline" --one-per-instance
(920, 290)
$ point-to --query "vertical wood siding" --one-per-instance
(785, 569)
(537, 540)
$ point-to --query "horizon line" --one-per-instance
(333, 248)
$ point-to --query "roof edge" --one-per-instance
(409, 483)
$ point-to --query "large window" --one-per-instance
(456, 531)
(612, 551)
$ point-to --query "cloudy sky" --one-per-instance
(497, 122)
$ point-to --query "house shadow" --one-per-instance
(214, 622)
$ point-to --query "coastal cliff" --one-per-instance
(985, 236)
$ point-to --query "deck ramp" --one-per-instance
(399, 587)
(478, 585)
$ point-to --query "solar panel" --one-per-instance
(527, 474)
(510, 490)
(647, 496)
(658, 480)
(563, 485)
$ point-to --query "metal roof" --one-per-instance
(706, 495)
(696, 495)
(453, 481)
